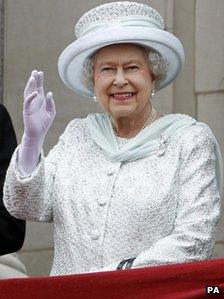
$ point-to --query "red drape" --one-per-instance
(182, 281)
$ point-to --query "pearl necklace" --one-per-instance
(148, 121)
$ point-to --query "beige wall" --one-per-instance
(209, 77)
(36, 32)
(199, 90)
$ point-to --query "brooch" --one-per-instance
(162, 145)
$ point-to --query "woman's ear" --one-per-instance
(152, 76)
(93, 76)
(153, 79)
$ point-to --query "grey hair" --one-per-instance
(157, 65)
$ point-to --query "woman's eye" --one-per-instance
(132, 67)
(106, 69)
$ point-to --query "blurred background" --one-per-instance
(35, 32)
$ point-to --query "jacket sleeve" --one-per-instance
(12, 230)
(193, 236)
(30, 197)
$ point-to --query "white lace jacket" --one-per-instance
(160, 209)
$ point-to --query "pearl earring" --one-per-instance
(153, 93)
(94, 97)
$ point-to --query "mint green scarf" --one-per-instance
(146, 143)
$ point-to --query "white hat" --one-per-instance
(114, 23)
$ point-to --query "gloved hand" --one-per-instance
(38, 115)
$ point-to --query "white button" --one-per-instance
(95, 234)
(110, 173)
(102, 202)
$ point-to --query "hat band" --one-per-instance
(134, 21)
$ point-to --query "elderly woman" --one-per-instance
(130, 187)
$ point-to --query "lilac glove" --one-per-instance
(38, 115)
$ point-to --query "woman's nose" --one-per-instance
(120, 78)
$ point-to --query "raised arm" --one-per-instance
(28, 182)
(38, 115)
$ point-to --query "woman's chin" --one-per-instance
(122, 112)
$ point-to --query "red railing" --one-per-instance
(182, 281)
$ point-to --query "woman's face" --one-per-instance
(122, 80)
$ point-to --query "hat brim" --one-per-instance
(71, 60)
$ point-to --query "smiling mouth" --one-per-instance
(122, 96)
